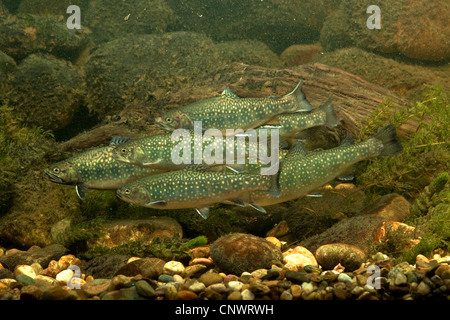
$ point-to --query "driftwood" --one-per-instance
(353, 98)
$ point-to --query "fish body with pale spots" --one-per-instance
(302, 172)
(195, 187)
(290, 124)
(95, 169)
(228, 111)
(159, 151)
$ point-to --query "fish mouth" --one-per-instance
(159, 123)
(52, 177)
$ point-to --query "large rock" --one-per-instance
(238, 252)
(51, 7)
(25, 33)
(409, 79)
(134, 70)
(112, 19)
(121, 231)
(251, 52)
(417, 29)
(278, 23)
(34, 255)
(45, 92)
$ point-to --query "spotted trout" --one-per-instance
(95, 169)
(172, 152)
(195, 187)
(303, 172)
(290, 124)
(228, 111)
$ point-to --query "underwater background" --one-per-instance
(65, 90)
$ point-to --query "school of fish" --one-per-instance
(143, 171)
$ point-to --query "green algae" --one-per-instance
(424, 130)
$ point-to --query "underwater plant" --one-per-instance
(425, 136)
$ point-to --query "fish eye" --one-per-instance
(169, 119)
(123, 150)
(127, 191)
(56, 170)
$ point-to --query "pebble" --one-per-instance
(247, 295)
(144, 289)
(165, 278)
(187, 295)
(345, 278)
(210, 278)
(296, 291)
(402, 281)
(286, 295)
(235, 295)
(423, 289)
(26, 270)
(307, 288)
(174, 267)
(235, 285)
(197, 287)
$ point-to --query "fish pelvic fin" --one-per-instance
(203, 212)
(260, 209)
(275, 184)
(81, 190)
(388, 136)
(300, 103)
(331, 119)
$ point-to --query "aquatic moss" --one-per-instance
(21, 149)
(425, 140)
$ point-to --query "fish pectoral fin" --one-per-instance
(156, 203)
(151, 163)
(235, 170)
(315, 195)
(203, 212)
(260, 209)
(81, 190)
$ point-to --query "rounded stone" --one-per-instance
(238, 252)
(187, 295)
(330, 255)
(174, 267)
(144, 289)
(210, 278)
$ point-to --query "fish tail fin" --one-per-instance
(301, 104)
(331, 116)
(274, 188)
(388, 136)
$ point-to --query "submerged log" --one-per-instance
(353, 98)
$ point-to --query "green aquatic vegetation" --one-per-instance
(424, 131)
(21, 148)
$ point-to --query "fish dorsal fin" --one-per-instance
(115, 141)
(227, 92)
(297, 150)
(197, 167)
(81, 190)
(203, 212)
(348, 141)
